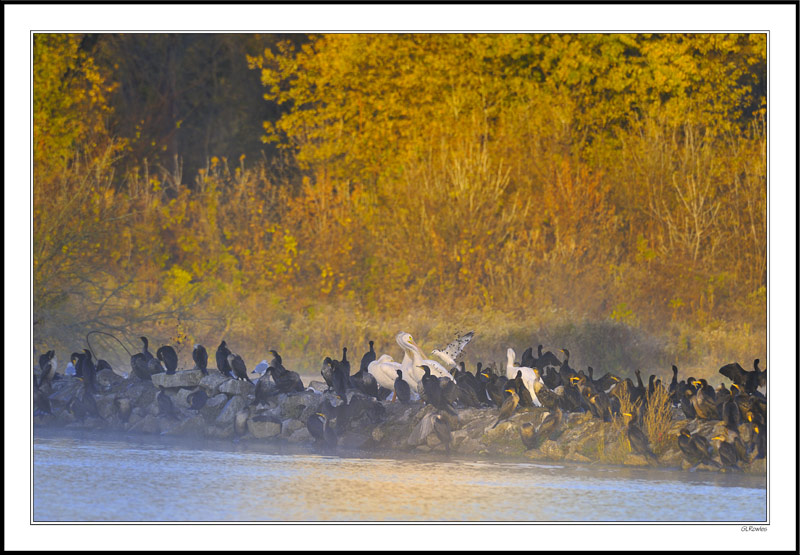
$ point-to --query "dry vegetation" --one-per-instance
(602, 193)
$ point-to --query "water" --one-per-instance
(90, 477)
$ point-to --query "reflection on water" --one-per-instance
(81, 477)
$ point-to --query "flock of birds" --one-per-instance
(542, 380)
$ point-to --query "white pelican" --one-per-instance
(449, 354)
(417, 359)
(529, 376)
(384, 370)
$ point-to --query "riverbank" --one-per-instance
(231, 412)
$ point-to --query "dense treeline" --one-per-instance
(310, 191)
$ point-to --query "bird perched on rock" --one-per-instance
(507, 408)
(165, 405)
(147, 354)
(87, 370)
(237, 366)
(222, 360)
(198, 399)
(200, 357)
(368, 357)
(169, 357)
(528, 434)
(320, 429)
(442, 429)
(727, 453)
(693, 449)
(287, 382)
(639, 441)
(327, 372)
(47, 364)
(402, 389)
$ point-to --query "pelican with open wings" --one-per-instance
(449, 355)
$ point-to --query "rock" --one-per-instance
(181, 395)
(133, 390)
(64, 390)
(219, 432)
(237, 387)
(107, 379)
(301, 435)
(292, 405)
(377, 434)
(183, 378)
(432, 440)
(352, 440)
(577, 457)
(148, 425)
(319, 387)
(214, 406)
(262, 427)
(240, 422)
(105, 404)
(191, 426)
(290, 425)
(469, 446)
(212, 382)
(228, 414)
(632, 459)
(148, 395)
(550, 450)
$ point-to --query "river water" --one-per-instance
(80, 477)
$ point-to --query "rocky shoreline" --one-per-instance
(231, 413)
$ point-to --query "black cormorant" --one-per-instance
(200, 357)
(442, 429)
(525, 399)
(321, 430)
(639, 441)
(703, 402)
(169, 357)
(287, 382)
(237, 366)
(550, 424)
(727, 453)
(345, 364)
(527, 432)
(165, 405)
(47, 364)
(340, 380)
(509, 404)
(147, 354)
(368, 357)
(197, 399)
(327, 372)
(401, 388)
(88, 371)
(546, 359)
(222, 360)
(277, 361)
